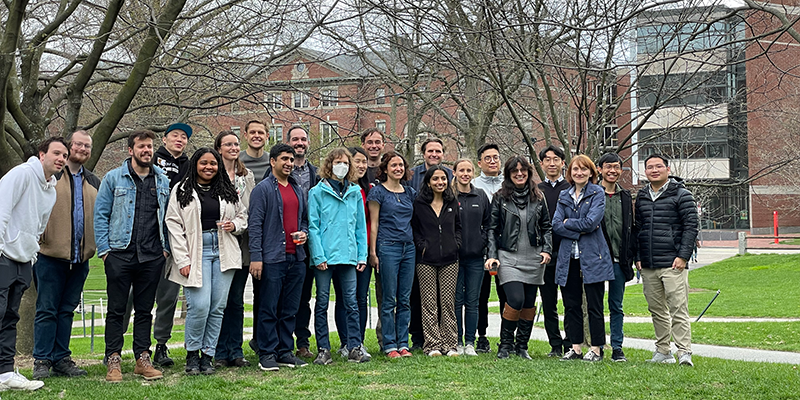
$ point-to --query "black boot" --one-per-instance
(205, 364)
(193, 362)
(507, 329)
(524, 328)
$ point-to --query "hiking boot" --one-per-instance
(661, 358)
(240, 362)
(323, 357)
(618, 356)
(686, 359)
(365, 356)
(555, 352)
(591, 356)
(20, 382)
(483, 345)
(222, 364)
(144, 367)
(303, 352)
(355, 355)
(343, 352)
(41, 369)
(571, 355)
(205, 365)
(161, 356)
(192, 362)
(290, 360)
(268, 363)
(114, 373)
(67, 367)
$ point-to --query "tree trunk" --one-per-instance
(27, 311)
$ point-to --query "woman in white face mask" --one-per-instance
(337, 238)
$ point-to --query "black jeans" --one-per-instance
(15, 278)
(573, 301)
(121, 275)
(301, 330)
(483, 301)
(229, 346)
(549, 294)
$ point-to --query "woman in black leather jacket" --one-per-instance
(521, 251)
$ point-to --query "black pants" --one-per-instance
(301, 330)
(415, 325)
(483, 302)
(573, 300)
(15, 278)
(121, 275)
(520, 295)
(549, 294)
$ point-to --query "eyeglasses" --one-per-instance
(491, 159)
(82, 145)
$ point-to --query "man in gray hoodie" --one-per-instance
(29, 194)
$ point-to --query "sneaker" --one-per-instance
(571, 355)
(405, 353)
(291, 361)
(591, 356)
(453, 353)
(268, 363)
(483, 345)
(41, 369)
(555, 352)
(417, 346)
(19, 382)
(661, 358)
(393, 354)
(205, 365)
(114, 373)
(434, 353)
(343, 352)
(469, 350)
(161, 356)
(303, 352)
(239, 362)
(144, 367)
(460, 349)
(686, 359)
(323, 357)
(365, 356)
(355, 355)
(192, 362)
(618, 356)
(66, 367)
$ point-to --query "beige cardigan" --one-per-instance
(186, 238)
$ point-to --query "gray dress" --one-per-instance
(522, 265)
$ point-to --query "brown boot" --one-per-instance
(114, 373)
(303, 352)
(145, 368)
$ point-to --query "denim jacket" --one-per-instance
(265, 222)
(116, 204)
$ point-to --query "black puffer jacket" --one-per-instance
(667, 227)
(504, 226)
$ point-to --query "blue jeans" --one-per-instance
(397, 275)
(362, 291)
(281, 284)
(468, 290)
(616, 290)
(205, 305)
(59, 284)
(347, 280)
(229, 346)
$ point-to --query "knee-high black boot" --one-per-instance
(524, 328)
(507, 329)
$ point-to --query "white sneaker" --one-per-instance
(366, 356)
(460, 349)
(686, 359)
(453, 353)
(434, 353)
(660, 358)
(469, 350)
(20, 382)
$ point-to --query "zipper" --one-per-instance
(441, 251)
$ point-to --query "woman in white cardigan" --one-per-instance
(203, 214)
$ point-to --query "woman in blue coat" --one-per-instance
(337, 238)
(584, 262)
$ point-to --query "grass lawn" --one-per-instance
(795, 242)
(781, 336)
(480, 377)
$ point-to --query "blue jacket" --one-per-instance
(265, 222)
(583, 225)
(115, 206)
(337, 226)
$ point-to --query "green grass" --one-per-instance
(480, 377)
(781, 336)
(795, 242)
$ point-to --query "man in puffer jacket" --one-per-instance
(666, 216)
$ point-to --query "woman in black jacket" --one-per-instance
(521, 251)
(437, 235)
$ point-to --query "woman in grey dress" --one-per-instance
(519, 251)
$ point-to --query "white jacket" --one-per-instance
(28, 200)
(186, 238)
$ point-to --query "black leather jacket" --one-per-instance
(504, 226)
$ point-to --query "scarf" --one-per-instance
(521, 196)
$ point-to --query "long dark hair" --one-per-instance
(364, 180)
(383, 174)
(241, 170)
(425, 191)
(507, 190)
(223, 189)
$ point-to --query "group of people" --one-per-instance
(433, 236)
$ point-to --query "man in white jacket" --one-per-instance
(29, 194)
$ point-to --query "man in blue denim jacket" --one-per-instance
(278, 225)
(131, 239)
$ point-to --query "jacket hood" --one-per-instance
(326, 187)
(165, 154)
(38, 170)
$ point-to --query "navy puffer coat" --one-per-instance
(667, 226)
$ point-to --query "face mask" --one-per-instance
(340, 170)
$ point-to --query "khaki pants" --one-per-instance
(667, 293)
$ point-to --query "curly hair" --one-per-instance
(223, 189)
(382, 174)
(326, 170)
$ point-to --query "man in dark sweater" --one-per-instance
(552, 160)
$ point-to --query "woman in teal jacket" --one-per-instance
(337, 230)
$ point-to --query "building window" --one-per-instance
(237, 130)
(274, 100)
(380, 96)
(301, 100)
(610, 136)
(328, 132)
(380, 125)
(329, 97)
(276, 133)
